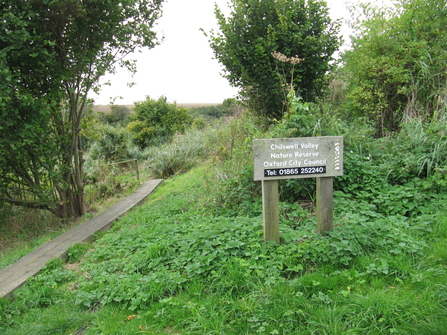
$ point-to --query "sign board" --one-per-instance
(300, 157)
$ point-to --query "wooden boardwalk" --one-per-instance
(16, 274)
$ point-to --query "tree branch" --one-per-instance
(27, 204)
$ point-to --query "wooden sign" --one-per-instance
(288, 158)
(305, 157)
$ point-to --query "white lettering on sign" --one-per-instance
(275, 164)
(337, 156)
(284, 147)
(280, 155)
(279, 158)
(295, 163)
(315, 162)
(294, 146)
(306, 154)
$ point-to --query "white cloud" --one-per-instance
(182, 68)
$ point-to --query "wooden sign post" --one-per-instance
(324, 204)
(288, 158)
(270, 210)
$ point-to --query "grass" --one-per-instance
(22, 230)
(191, 259)
(169, 267)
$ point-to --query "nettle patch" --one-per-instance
(151, 256)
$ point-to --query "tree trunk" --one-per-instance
(71, 194)
(78, 206)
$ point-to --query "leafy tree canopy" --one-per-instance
(52, 54)
(396, 67)
(157, 120)
(256, 32)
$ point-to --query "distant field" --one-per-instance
(106, 108)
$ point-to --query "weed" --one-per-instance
(177, 156)
(192, 259)
(75, 252)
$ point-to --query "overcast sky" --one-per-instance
(182, 68)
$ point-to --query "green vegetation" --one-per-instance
(191, 259)
(269, 47)
(118, 116)
(156, 120)
(229, 107)
(396, 68)
(52, 55)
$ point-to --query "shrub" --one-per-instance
(111, 144)
(157, 119)
(229, 107)
(118, 116)
(238, 195)
(395, 66)
(178, 156)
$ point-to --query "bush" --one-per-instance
(229, 107)
(418, 150)
(309, 119)
(155, 119)
(238, 195)
(111, 144)
(395, 68)
(118, 116)
(178, 156)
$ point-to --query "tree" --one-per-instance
(157, 119)
(52, 54)
(299, 31)
(227, 108)
(396, 67)
(118, 115)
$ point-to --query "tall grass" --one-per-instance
(226, 143)
(21, 230)
(179, 155)
(170, 267)
(192, 259)
(24, 229)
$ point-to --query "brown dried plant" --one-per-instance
(284, 59)
(289, 91)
